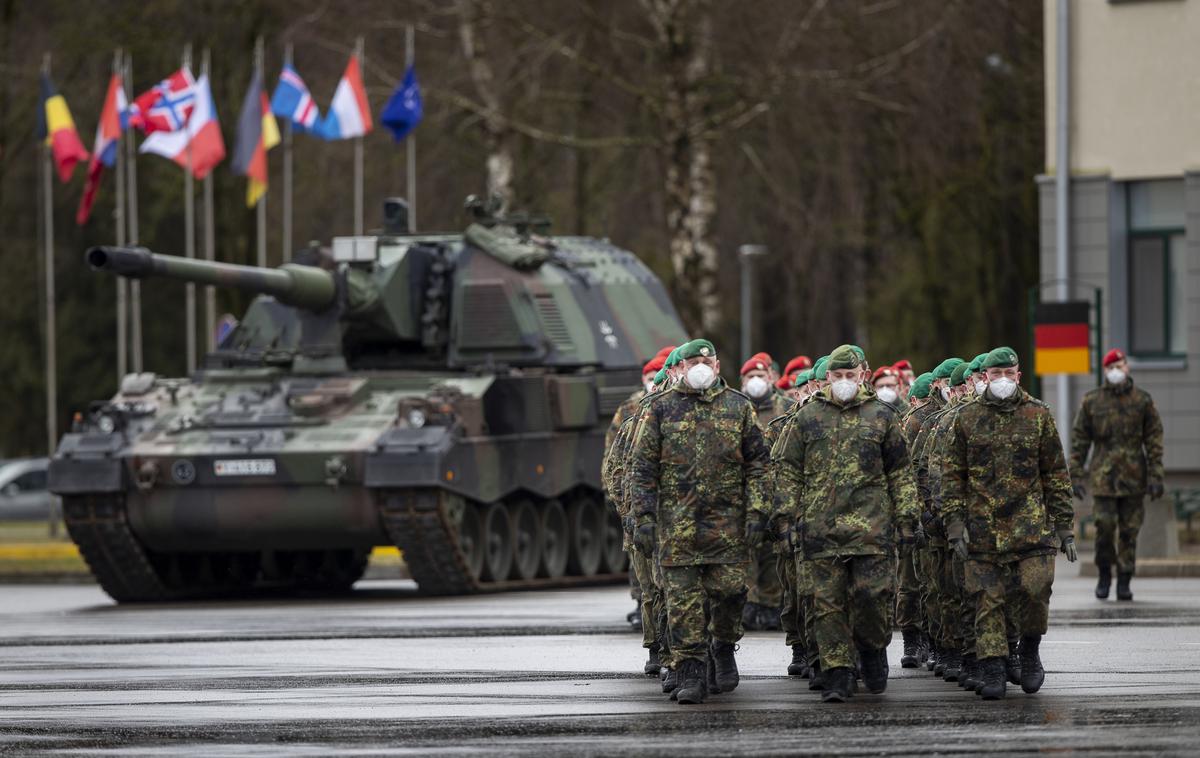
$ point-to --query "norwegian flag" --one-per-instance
(167, 106)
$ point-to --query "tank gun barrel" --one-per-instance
(300, 286)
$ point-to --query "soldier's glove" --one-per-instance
(1156, 490)
(956, 532)
(1079, 490)
(645, 537)
(756, 532)
(1067, 544)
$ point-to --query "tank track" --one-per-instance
(417, 525)
(99, 525)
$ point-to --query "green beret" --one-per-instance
(921, 386)
(844, 356)
(803, 378)
(697, 349)
(977, 363)
(945, 368)
(818, 369)
(859, 352)
(661, 376)
(1001, 357)
(958, 375)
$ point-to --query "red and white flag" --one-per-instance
(167, 106)
(199, 144)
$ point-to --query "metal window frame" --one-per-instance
(1164, 233)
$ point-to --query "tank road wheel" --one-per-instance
(585, 518)
(555, 544)
(498, 543)
(614, 544)
(526, 539)
(470, 534)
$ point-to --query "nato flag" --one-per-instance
(404, 109)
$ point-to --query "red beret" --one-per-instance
(883, 371)
(655, 365)
(902, 365)
(1112, 356)
(799, 363)
(757, 362)
(664, 352)
(785, 382)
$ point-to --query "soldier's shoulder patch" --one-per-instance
(1039, 402)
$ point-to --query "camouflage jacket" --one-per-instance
(613, 468)
(912, 424)
(1122, 427)
(771, 407)
(1004, 476)
(844, 470)
(698, 468)
(626, 409)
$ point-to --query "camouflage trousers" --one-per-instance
(909, 615)
(1010, 596)
(704, 603)
(1118, 521)
(790, 616)
(852, 601)
(953, 616)
(650, 596)
(926, 564)
(762, 581)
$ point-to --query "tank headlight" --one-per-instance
(106, 424)
(416, 418)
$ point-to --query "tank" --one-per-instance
(444, 393)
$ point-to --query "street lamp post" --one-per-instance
(746, 256)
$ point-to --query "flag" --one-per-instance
(256, 134)
(349, 114)
(404, 108)
(57, 128)
(104, 149)
(1061, 338)
(292, 101)
(199, 143)
(167, 106)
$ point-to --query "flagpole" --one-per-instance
(358, 153)
(48, 238)
(189, 239)
(210, 243)
(261, 210)
(119, 219)
(135, 286)
(287, 172)
(410, 161)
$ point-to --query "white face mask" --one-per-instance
(701, 376)
(756, 387)
(650, 386)
(946, 394)
(844, 389)
(1114, 376)
(980, 387)
(887, 394)
(1003, 387)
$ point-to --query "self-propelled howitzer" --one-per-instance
(444, 393)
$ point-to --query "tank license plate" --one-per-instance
(252, 467)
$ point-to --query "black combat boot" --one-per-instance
(1123, 591)
(670, 682)
(634, 618)
(970, 672)
(839, 686)
(710, 675)
(993, 678)
(1012, 661)
(726, 667)
(799, 661)
(653, 662)
(1103, 583)
(1032, 673)
(817, 680)
(912, 649)
(691, 682)
(874, 665)
(932, 661)
(953, 666)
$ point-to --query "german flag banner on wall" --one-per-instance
(1061, 335)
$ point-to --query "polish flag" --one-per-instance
(199, 144)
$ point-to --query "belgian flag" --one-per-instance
(57, 128)
(1061, 335)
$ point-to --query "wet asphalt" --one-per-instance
(387, 671)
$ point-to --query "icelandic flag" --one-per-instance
(404, 108)
(167, 106)
(104, 149)
(199, 144)
(349, 114)
(292, 101)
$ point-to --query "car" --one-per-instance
(23, 493)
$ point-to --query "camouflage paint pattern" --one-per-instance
(1121, 426)
(1012, 597)
(773, 405)
(1118, 521)
(852, 601)
(688, 589)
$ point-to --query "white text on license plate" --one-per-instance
(251, 467)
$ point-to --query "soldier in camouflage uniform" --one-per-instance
(886, 383)
(1121, 426)
(765, 591)
(913, 571)
(842, 458)
(698, 473)
(1006, 498)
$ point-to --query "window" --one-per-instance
(31, 481)
(1157, 269)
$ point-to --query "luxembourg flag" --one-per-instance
(349, 114)
(201, 137)
(292, 101)
(104, 149)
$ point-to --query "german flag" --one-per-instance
(57, 128)
(1061, 335)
